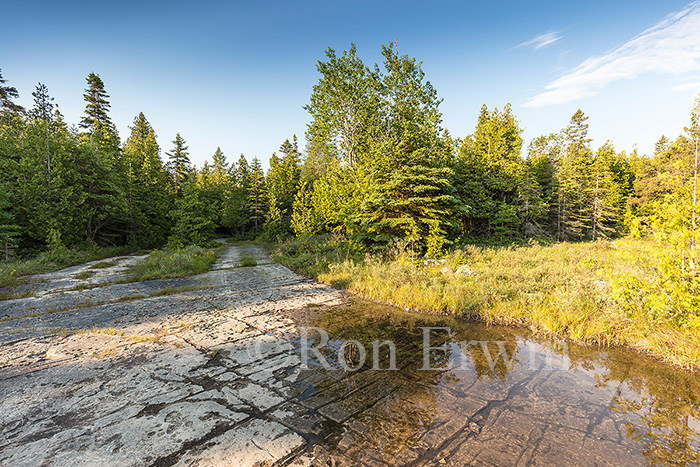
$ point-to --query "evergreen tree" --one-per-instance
(541, 216)
(42, 112)
(97, 106)
(237, 213)
(575, 181)
(97, 122)
(216, 183)
(489, 173)
(282, 183)
(9, 231)
(7, 93)
(604, 194)
(179, 164)
(192, 216)
(257, 196)
(147, 188)
(411, 194)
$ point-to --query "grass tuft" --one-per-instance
(247, 261)
(179, 262)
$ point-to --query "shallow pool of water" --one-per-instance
(448, 392)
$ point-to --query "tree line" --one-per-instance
(378, 168)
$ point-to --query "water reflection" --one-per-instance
(494, 394)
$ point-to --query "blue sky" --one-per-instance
(236, 74)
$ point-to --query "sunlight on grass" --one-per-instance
(562, 289)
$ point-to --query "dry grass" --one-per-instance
(562, 289)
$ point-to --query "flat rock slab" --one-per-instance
(123, 374)
(209, 371)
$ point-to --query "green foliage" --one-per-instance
(7, 93)
(179, 163)
(488, 172)
(344, 108)
(192, 217)
(147, 186)
(282, 183)
(248, 261)
(378, 132)
(257, 196)
(9, 231)
(408, 204)
(177, 262)
(669, 289)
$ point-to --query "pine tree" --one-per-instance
(179, 164)
(97, 122)
(7, 93)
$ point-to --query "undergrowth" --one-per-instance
(170, 263)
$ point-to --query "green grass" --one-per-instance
(17, 271)
(84, 274)
(169, 263)
(247, 261)
(15, 295)
(561, 289)
(103, 264)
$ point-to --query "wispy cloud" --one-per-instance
(541, 41)
(686, 87)
(672, 47)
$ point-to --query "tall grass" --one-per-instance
(178, 262)
(561, 289)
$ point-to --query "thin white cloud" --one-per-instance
(541, 41)
(671, 47)
(686, 87)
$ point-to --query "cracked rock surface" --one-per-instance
(208, 371)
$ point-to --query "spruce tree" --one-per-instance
(575, 181)
(257, 199)
(179, 163)
(411, 196)
(488, 174)
(147, 187)
(604, 195)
